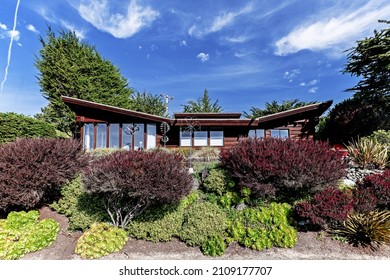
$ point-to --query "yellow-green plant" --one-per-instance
(208, 153)
(22, 233)
(369, 229)
(101, 240)
(365, 151)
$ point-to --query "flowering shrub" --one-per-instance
(285, 168)
(380, 186)
(131, 181)
(33, 170)
(326, 208)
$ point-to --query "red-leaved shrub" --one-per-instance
(33, 170)
(379, 184)
(131, 181)
(327, 207)
(286, 168)
(364, 200)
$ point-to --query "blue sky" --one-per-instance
(244, 52)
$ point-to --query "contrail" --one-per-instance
(10, 45)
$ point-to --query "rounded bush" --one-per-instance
(379, 184)
(218, 181)
(33, 170)
(285, 168)
(202, 221)
(214, 246)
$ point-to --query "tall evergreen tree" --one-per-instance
(72, 68)
(149, 103)
(202, 105)
(275, 107)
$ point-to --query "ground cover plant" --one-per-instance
(22, 233)
(283, 168)
(33, 170)
(101, 240)
(129, 182)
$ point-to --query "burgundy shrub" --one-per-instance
(327, 207)
(380, 186)
(364, 200)
(33, 170)
(131, 181)
(293, 168)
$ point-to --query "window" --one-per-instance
(200, 138)
(279, 133)
(127, 138)
(139, 136)
(101, 136)
(259, 133)
(185, 138)
(88, 142)
(151, 136)
(114, 135)
(216, 138)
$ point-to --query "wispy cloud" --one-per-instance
(222, 20)
(239, 39)
(118, 25)
(292, 74)
(47, 14)
(183, 43)
(203, 57)
(336, 31)
(3, 26)
(79, 33)
(313, 90)
(32, 28)
(13, 33)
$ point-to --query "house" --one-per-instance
(104, 126)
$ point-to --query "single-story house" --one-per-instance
(104, 126)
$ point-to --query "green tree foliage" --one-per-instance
(149, 103)
(369, 108)
(13, 126)
(275, 107)
(72, 68)
(202, 105)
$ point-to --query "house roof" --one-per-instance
(79, 106)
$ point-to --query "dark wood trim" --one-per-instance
(120, 135)
(94, 135)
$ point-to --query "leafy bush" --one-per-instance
(22, 233)
(208, 153)
(364, 200)
(201, 222)
(101, 240)
(14, 126)
(368, 152)
(382, 136)
(131, 181)
(379, 184)
(214, 246)
(218, 181)
(369, 229)
(81, 208)
(185, 152)
(326, 208)
(33, 170)
(264, 227)
(286, 168)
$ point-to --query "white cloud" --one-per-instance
(32, 28)
(118, 25)
(48, 15)
(336, 31)
(3, 26)
(290, 75)
(203, 56)
(13, 33)
(239, 39)
(313, 90)
(79, 33)
(222, 20)
(312, 82)
(20, 45)
(183, 43)
(302, 84)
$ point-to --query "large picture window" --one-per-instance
(279, 133)
(88, 142)
(114, 135)
(200, 138)
(127, 137)
(139, 136)
(185, 138)
(101, 136)
(216, 138)
(259, 133)
(151, 136)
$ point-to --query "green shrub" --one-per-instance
(161, 222)
(202, 221)
(81, 208)
(22, 233)
(368, 152)
(101, 240)
(368, 229)
(214, 246)
(218, 181)
(264, 227)
(207, 153)
(382, 136)
(14, 126)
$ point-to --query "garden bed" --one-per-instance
(310, 246)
